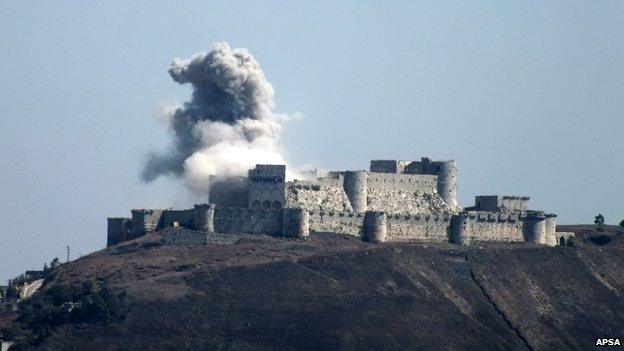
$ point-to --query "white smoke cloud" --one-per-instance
(227, 126)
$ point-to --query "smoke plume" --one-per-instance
(227, 126)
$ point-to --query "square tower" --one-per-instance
(267, 187)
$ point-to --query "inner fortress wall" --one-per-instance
(229, 192)
(319, 182)
(403, 182)
(317, 196)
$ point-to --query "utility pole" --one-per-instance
(67, 253)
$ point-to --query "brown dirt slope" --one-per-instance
(333, 292)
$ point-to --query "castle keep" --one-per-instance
(392, 201)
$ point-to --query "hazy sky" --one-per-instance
(527, 97)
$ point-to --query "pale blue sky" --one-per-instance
(526, 96)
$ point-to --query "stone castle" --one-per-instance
(393, 201)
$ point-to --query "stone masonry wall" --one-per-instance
(317, 196)
(246, 221)
(400, 201)
(427, 228)
(405, 182)
(336, 222)
(185, 218)
(180, 236)
(494, 226)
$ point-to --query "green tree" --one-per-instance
(622, 223)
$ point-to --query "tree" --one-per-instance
(622, 223)
(600, 222)
(55, 263)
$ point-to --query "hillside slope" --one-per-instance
(334, 292)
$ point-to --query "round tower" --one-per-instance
(551, 229)
(296, 222)
(534, 229)
(375, 227)
(203, 217)
(447, 182)
(459, 234)
(356, 188)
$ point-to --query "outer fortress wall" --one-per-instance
(184, 218)
(373, 226)
(246, 221)
(336, 222)
(145, 221)
(428, 228)
(486, 226)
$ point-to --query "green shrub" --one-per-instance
(61, 304)
(60, 293)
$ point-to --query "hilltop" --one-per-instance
(337, 292)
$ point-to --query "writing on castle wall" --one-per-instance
(267, 187)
